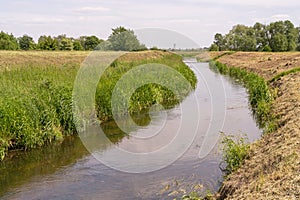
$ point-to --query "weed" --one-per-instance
(234, 152)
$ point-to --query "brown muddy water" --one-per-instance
(68, 171)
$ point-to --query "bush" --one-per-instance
(235, 152)
(267, 48)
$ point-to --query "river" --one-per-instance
(68, 171)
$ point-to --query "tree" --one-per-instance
(26, 43)
(219, 42)
(285, 33)
(90, 42)
(104, 46)
(241, 38)
(123, 39)
(77, 45)
(277, 36)
(66, 44)
(214, 47)
(47, 43)
(262, 36)
(292, 35)
(298, 44)
(279, 43)
(8, 42)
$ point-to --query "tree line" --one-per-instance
(277, 36)
(121, 39)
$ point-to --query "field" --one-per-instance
(36, 93)
(272, 169)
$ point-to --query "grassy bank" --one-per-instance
(260, 95)
(271, 170)
(36, 93)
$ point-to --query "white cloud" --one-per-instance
(268, 3)
(281, 17)
(93, 9)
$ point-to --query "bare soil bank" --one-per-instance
(272, 170)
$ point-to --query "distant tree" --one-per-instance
(47, 43)
(77, 45)
(292, 35)
(90, 42)
(241, 38)
(8, 42)
(123, 39)
(298, 45)
(154, 48)
(285, 33)
(104, 46)
(219, 42)
(261, 35)
(214, 47)
(26, 43)
(277, 36)
(66, 44)
(279, 42)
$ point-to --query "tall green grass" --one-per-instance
(35, 106)
(36, 101)
(260, 96)
(147, 95)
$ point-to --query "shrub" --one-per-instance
(234, 152)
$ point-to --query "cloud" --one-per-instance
(268, 3)
(280, 17)
(92, 9)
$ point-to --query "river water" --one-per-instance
(68, 171)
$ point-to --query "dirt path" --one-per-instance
(272, 170)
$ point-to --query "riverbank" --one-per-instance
(36, 93)
(272, 169)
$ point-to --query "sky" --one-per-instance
(198, 20)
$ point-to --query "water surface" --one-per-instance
(68, 171)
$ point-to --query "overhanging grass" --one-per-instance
(36, 100)
(260, 96)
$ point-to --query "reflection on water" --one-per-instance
(67, 171)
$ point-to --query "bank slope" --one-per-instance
(272, 170)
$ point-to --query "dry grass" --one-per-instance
(10, 59)
(273, 168)
(265, 64)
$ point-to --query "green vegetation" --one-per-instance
(278, 76)
(277, 37)
(260, 96)
(196, 196)
(8, 41)
(36, 99)
(146, 95)
(224, 54)
(235, 151)
(121, 39)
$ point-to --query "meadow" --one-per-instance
(36, 93)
